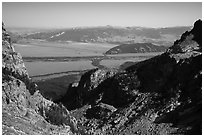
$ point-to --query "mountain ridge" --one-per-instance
(160, 36)
(161, 95)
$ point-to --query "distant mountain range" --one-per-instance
(15, 37)
(109, 34)
(136, 48)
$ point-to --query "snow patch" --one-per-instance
(57, 35)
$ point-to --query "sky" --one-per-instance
(66, 15)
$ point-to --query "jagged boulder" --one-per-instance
(57, 114)
(100, 111)
(90, 81)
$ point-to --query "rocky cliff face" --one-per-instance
(24, 109)
(162, 95)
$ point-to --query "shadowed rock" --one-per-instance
(153, 96)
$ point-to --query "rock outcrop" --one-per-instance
(82, 93)
(100, 111)
(24, 109)
(161, 95)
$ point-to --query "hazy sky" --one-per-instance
(100, 14)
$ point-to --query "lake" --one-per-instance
(81, 54)
(42, 68)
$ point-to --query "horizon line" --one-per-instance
(99, 26)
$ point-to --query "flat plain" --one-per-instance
(44, 57)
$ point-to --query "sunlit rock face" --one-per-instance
(24, 109)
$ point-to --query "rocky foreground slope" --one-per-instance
(24, 109)
(162, 95)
